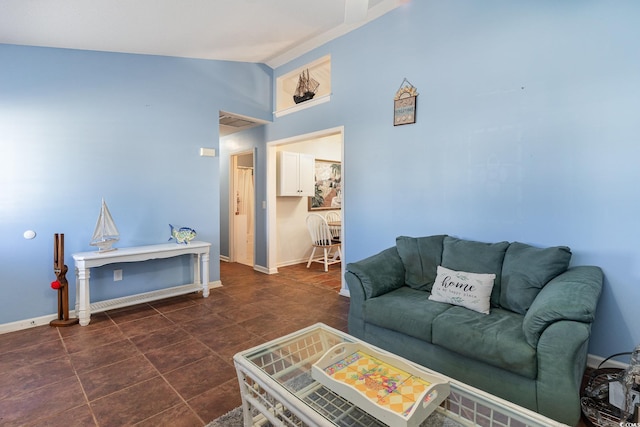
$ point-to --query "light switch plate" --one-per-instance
(207, 152)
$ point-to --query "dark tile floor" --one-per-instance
(165, 363)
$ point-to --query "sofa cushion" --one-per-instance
(475, 257)
(496, 339)
(421, 257)
(469, 290)
(526, 269)
(404, 310)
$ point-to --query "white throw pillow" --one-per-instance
(469, 290)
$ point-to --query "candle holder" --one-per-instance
(61, 283)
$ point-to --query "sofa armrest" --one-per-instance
(562, 358)
(573, 295)
(379, 273)
(368, 278)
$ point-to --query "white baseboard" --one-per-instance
(265, 270)
(345, 293)
(30, 323)
(224, 258)
(105, 305)
(216, 284)
(293, 262)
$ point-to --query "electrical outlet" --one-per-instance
(117, 275)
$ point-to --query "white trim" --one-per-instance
(231, 226)
(270, 196)
(304, 47)
(303, 105)
(265, 270)
(272, 243)
(294, 262)
(30, 323)
(105, 305)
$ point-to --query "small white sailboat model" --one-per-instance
(106, 232)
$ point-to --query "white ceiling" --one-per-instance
(263, 31)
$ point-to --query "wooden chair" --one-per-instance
(322, 239)
(334, 219)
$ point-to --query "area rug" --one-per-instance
(233, 418)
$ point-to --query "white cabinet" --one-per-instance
(295, 174)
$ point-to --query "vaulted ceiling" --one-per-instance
(263, 31)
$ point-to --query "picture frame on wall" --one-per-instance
(404, 111)
(328, 186)
(404, 104)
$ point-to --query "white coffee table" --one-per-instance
(277, 388)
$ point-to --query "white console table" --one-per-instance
(84, 261)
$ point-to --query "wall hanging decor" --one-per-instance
(404, 104)
(328, 186)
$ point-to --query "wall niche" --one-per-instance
(319, 70)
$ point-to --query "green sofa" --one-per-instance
(530, 349)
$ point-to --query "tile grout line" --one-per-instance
(243, 288)
(161, 375)
(75, 372)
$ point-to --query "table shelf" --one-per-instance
(85, 261)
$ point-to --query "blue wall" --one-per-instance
(527, 129)
(76, 126)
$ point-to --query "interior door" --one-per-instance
(243, 206)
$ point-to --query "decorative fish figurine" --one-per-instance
(183, 234)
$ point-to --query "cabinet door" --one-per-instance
(295, 174)
(288, 174)
(307, 174)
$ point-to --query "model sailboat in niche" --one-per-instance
(106, 232)
(306, 89)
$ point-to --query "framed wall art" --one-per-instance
(328, 186)
(404, 104)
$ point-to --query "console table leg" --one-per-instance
(77, 294)
(82, 291)
(205, 275)
(196, 269)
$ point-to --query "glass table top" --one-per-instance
(288, 361)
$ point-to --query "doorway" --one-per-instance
(243, 208)
(290, 218)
